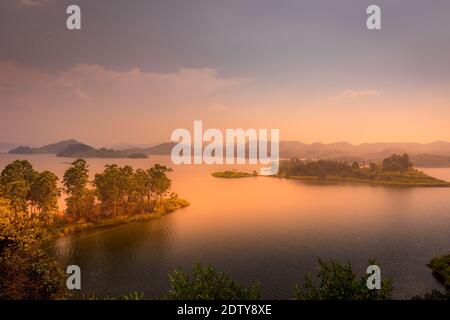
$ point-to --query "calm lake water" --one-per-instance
(262, 229)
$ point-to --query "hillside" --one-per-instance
(160, 149)
(81, 150)
(53, 148)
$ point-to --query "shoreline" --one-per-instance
(338, 180)
(66, 230)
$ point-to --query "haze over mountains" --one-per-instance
(365, 150)
(423, 154)
(5, 147)
(53, 148)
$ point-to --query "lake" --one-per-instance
(261, 229)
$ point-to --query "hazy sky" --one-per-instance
(139, 69)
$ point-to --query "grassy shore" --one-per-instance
(410, 178)
(233, 174)
(119, 220)
(441, 269)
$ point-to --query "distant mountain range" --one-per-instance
(422, 154)
(81, 150)
(74, 149)
(53, 148)
(364, 150)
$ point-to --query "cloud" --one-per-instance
(93, 99)
(353, 95)
(89, 83)
(32, 3)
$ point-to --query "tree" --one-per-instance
(355, 165)
(26, 271)
(338, 282)
(159, 182)
(111, 187)
(397, 163)
(141, 189)
(15, 183)
(44, 192)
(207, 284)
(80, 199)
(127, 185)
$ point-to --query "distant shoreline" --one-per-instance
(233, 174)
(337, 180)
(405, 179)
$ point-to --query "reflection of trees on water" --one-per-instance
(125, 258)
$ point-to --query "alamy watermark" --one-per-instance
(73, 281)
(236, 146)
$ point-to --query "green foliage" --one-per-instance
(159, 182)
(80, 199)
(207, 284)
(15, 183)
(111, 186)
(123, 190)
(338, 282)
(76, 177)
(335, 171)
(441, 269)
(44, 192)
(27, 189)
(320, 168)
(397, 163)
(26, 272)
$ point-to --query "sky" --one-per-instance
(139, 69)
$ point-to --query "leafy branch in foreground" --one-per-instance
(338, 282)
(26, 271)
(441, 271)
(207, 284)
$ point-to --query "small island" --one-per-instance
(233, 174)
(138, 156)
(396, 170)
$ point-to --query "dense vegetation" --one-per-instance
(431, 160)
(339, 282)
(207, 284)
(441, 269)
(29, 216)
(117, 191)
(336, 282)
(26, 271)
(394, 170)
(27, 189)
